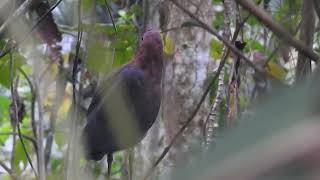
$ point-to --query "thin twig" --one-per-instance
(15, 97)
(277, 29)
(9, 171)
(13, 124)
(171, 29)
(33, 99)
(278, 47)
(22, 9)
(33, 140)
(224, 40)
(111, 17)
(25, 150)
(27, 35)
(221, 65)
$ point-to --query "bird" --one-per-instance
(127, 103)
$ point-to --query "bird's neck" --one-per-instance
(150, 63)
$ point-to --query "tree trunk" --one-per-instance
(147, 152)
(306, 36)
(184, 82)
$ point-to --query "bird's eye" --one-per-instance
(142, 39)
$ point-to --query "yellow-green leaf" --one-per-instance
(215, 49)
(168, 45)
(276, 70)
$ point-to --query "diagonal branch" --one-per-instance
(230, 47)
(9, 171)
(317, 7)
(226, 42)
(22, 9)
(27, 35)
(278, 29)
(33, 140)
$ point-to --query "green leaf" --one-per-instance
(276, 70)
(190, 23)
(2, 43)
(252, 21)
(216, 2)
(255, 45)
(20, 155)
(4, 106)
(60, 139)
(216, 49)
(4, 128)
(99, 57)
(18, 61)
(218, 20)
(56, 165)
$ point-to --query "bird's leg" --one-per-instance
(109, 160)
(130, 163)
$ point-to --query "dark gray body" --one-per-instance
(121, 112)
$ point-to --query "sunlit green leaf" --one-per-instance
(190, 23)
(18, 61)
(5, 128)
(216, 49)
(254, 45)
(20, 155)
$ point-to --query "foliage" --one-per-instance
(106, 46)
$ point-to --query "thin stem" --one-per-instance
(27, 35)
(111, 17)
(6, 168)
(16, 124)
(226, 42)
(33, 140)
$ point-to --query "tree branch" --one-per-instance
(3, 53)
(277, 29)
(22, 9)
(317, 7)
(22, 135)
(15, 97)
(9, 171)
(226, 42)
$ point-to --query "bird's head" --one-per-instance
(150, 53)
(151, 41)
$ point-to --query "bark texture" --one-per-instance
(185, 79)
(306, 36)
(147, 152)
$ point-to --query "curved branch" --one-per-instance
(22, 135)
(15, 97)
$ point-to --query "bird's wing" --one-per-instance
(128, 76)
(116, 113)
